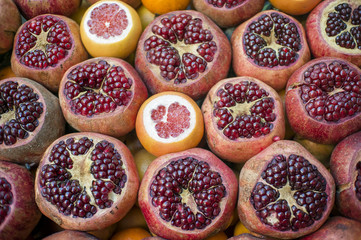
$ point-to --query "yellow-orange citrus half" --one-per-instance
(131, 234)
(165, 6)
(169, 122)
(110, 28)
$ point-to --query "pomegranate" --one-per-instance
(10, 21)
(102, 95)
(30, 120)
(133, 3)
(86, 181)
(323, 100)
(183, 51)
(333, 29)
(345, 166)
(245, 236)
(269, 46)
(187, 195)
(70, 234)
(228, 13)
(45, 47)
(19, 213)
(285, 192)
(242, 117)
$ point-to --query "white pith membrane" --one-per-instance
(111, 39)
(167, 100)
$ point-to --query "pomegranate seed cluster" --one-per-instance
(188, 193)
(97, 88)
(6, 199)
(72, 196)
(331, 92)
(225, 3)
(358, 181)
(291, 193)
(244, 110)
(180, 32)
(21, 101)
(43, 42)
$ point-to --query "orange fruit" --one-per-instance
(218, 236)
(169, 122)
(142, 159)
(240, 229)
(6, 72)
(295, 7)
(110, 28)
(165, 6)
(131, 234)
(145, 15)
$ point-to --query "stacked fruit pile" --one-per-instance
(179, 119)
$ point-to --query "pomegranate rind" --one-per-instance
(229, 17)
(51, 126)
(245, 236)
(241, 149)
(344, 159)
(51, 76)
(10, 21)
(197, 88)
(277, 76)
(309, 128)
(103, 217)
(116, 123)
(70, 234)
(24, 214)
(164, 229)
(251, 174)
(320, 44)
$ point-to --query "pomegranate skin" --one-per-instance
(10, 21)
(276, 76)
(251, 174)
(321, 131)
(229, 17)
(165, 229)
(246, 236)
(24, 214)
(320, 44)
(70, 234)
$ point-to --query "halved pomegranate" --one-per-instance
(30, 120)
(285, 192)
(45, 47)
(242, 116)
(102, 95)
(270, 46)
(86, 181)
(183, 51)
(333, 29)
(323, 100)
(188, 195)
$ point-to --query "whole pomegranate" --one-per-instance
(242, 116)
(19, 212)
(333, 29)
(246, 236)
(285, 192)
(45, 47)
(183, 51)
(86, 181)
(70, 234)
(10, 21)
(323, 100)
(269, 46)
(187, 195)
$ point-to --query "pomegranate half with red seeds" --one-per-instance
(323, 100)
(183, 51)
(270, 46)
(102, 95)
(242, 117)
(86, 181)
(333, 29)
(188, 195)
(30, 120)
(19, 213)
(285, 192)
(228, 13)
(45, 47)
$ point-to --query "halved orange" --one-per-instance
(169, 122)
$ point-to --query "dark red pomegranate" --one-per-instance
(30, 120)
(183, 51)
(333, 29)
(323, 100)
(285, 192)
(270, 46)
(18, 211)
(227, 13)
(187, 195)
(10, 21)
(86, 181)
(102, 95)
(242, 117)
(45, 47)
(70, 234)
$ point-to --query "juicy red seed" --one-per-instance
(225, 3)
(358, 181)
(281, 211)
(6, 199)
